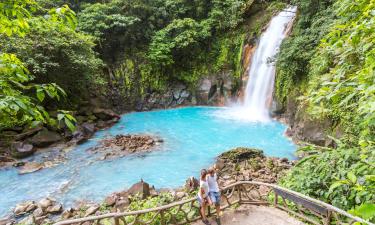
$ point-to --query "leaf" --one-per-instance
(352, 177)
(60, 116)
(40, 95)
(69, 124)
(335, 185)
(366, 211)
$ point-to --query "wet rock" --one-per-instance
(21, 150)
(45, 138)
(30, 167)
(141, 188)
(55, 209)
(24, 208)
(45, 203)
(91, 210)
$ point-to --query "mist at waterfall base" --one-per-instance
(193, 137)
(259, 89)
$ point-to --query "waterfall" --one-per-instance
(259, 89)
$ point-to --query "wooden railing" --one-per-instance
(307, 209)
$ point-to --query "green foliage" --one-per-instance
(338, 83)
(160, 200)
(17, 106)
(313, 22)
(343, 176)
(58, 54)
(174, 40)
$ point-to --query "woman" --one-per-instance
(203, 198)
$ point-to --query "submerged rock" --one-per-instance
(30, 167)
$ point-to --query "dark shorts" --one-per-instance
(215, 197)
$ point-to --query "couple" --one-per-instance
(209, 193)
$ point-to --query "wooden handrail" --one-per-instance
(232, 186)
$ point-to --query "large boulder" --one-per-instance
(105, 114)
(45, 203)
(141, 188)
(241, 154)
(45, 138)
(24, 208)
(21, 150)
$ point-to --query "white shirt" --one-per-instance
(213, 186)
(203, 185)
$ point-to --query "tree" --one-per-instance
(16, 106)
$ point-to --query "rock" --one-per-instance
(88, 128)
(91, 210)
(141, 188)
(45, 203)
(220, 164)
(45, 138)
(110, 200)
(179, 195)
(105, 114)
(191, 184)
(67, 214)
(30, 167)
(122, 203)
(38, 212)
(24, 208)
(241, 154)
(21, 150)
(27, 220)
(55, 209)
(40, 220)
(153, 192)
(7, 221)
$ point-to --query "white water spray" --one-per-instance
(259, 89)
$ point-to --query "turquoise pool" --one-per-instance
(193, 137)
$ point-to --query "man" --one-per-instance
(214, 191)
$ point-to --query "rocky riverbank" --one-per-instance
(236, 164)
(20, 143)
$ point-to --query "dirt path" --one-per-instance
(255, 215)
